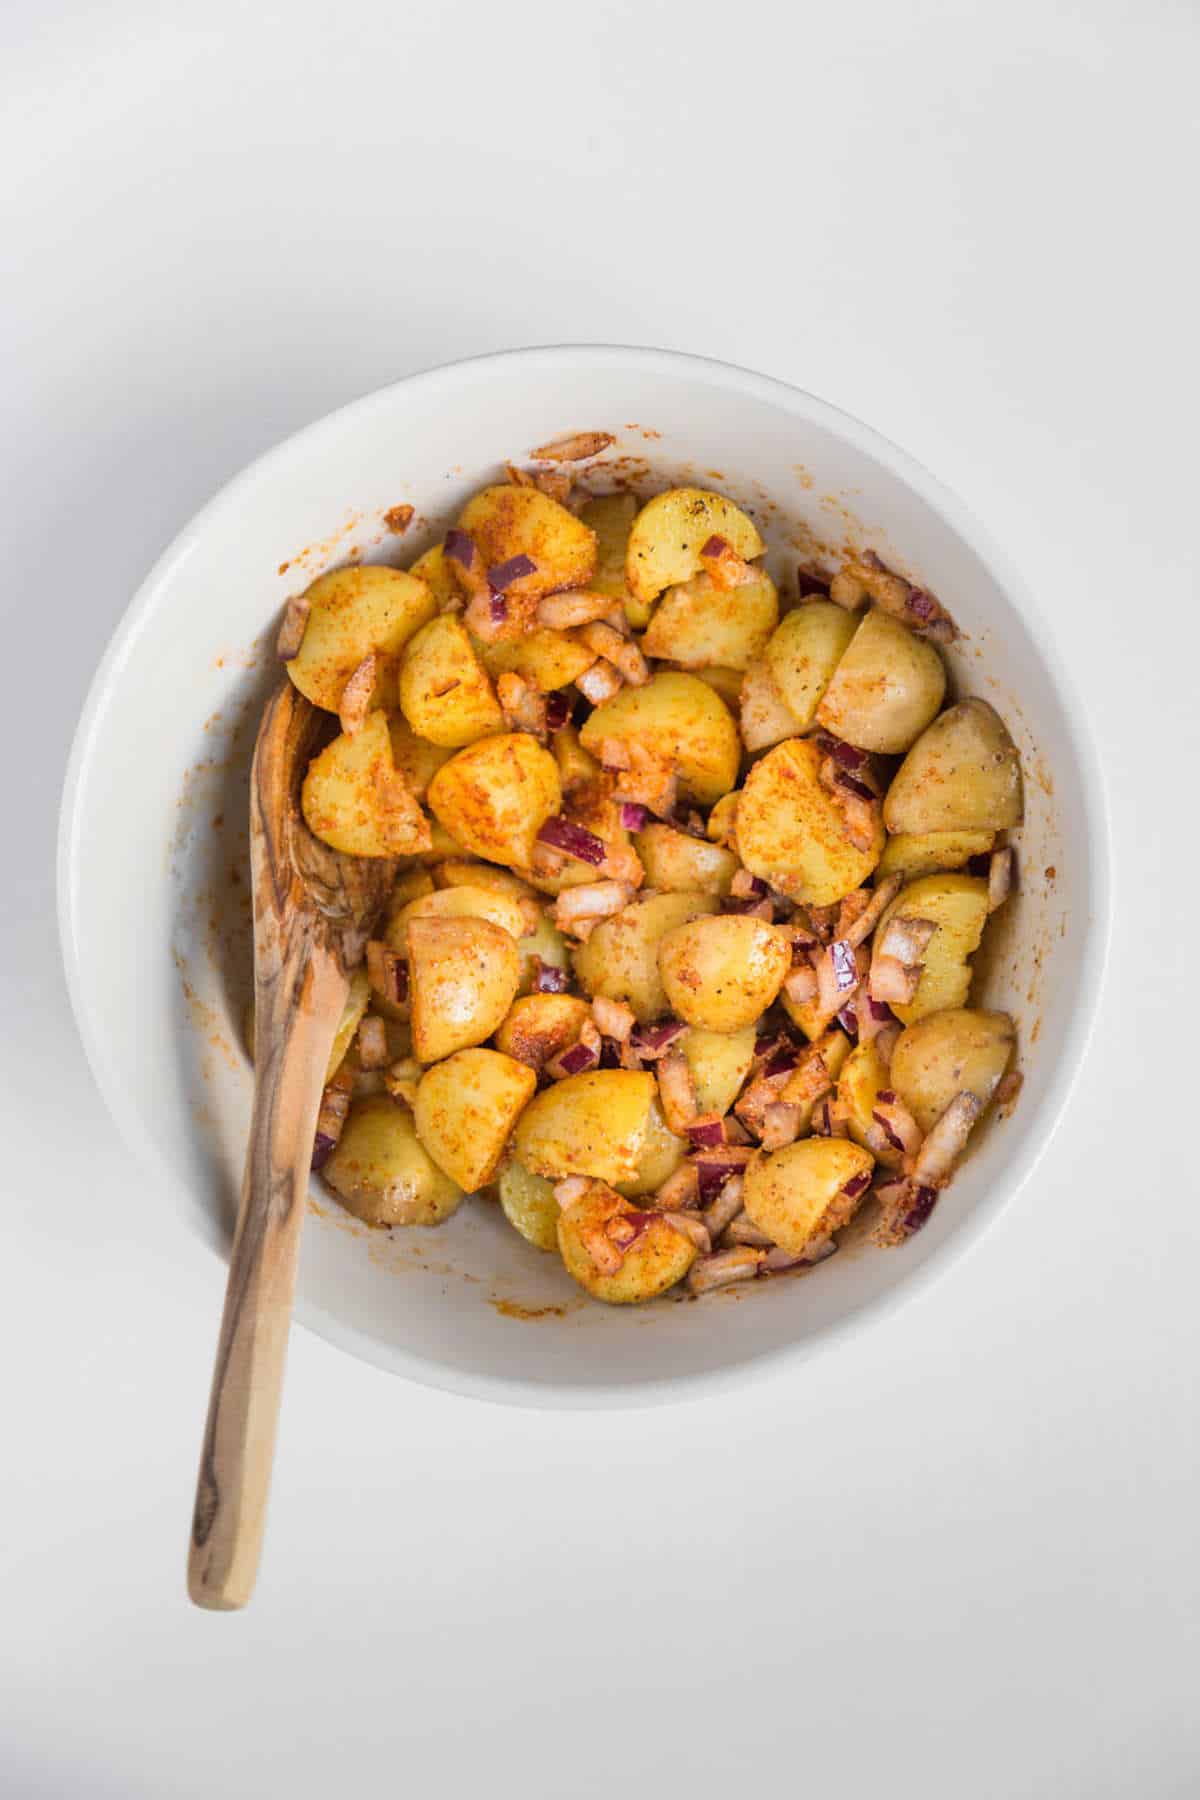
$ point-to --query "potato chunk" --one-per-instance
(790, 831)
(466, 1109)
(463, 976)
(353, 612)
(354, 798)
(620, 958)
(383, 1174)
(445, 693)
(529, 1205)
(861, 1078)
(662, 1153)
(913, 853)
(611, 516)
(416, 758)
(764, 715)
(672, 529)
(723, 973)
(457, 903)
(594, 1124)
(547, 659)
(679, 717)
(435, 571)
(699, 624)
(719, 1062)
(886, 688)
(804, 653)
(957, 904)
(495, 796)
(507, 521)
(539, 1027)
(677, 863)
(803, 1192)
(594, 1235)
(949, 1053)
(963, 774)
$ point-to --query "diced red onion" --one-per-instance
(854, 786)
(848, 755)
(502, 575)
(497, 607)
(634, 815)
(782, 1062)
(924, 1201)
(547, 979)
(857, 1184)
(845, 968)
(558, 710)
(573, 840)
(921, 604)
(881, 1011)
(712, 1175)
(808, 583)
(460, 546)
(886, 1097)
(610, 1053)
(323, 1149)
(892, 1137)
(656, 1037)
(848, 1019)
(707, 1133)
(578, 1058)
(626, 1228)
(715, 546)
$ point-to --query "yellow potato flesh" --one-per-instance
(862, 1076)
(382, 1173)
(963, 774)
(950, 1053)
(659, 1258)
(719, 1062)
(434, 570)
(610, 516)
(528, 1204)
(539, 1027)
(463, 976)
(507, 521)
(495, 796)
(416, 758)
(790, 832)
(700, 625)
(764, 715)
(723, 973)
(545, 944)
(445, 693)
(456, 903)
(466, 1109)
(795, 1195)
(804, 652)
(620, 958)
(911, 853)
(592, 1124)
(886, 688)
(544, 658)
(677, 863)
(957, 904)
(354, 799)
(661, 1155)
(679, 717)
(671, 530)
(353, 612)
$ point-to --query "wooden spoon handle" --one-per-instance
(297, 1007)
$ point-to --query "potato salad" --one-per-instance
(691, 862)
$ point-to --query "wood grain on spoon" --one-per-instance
(313, 911)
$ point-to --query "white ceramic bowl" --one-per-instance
(155, 932)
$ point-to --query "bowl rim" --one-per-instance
(1096, 926)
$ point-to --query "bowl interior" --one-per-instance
(155, 906)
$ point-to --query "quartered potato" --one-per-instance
(803, 654)
(435, 571)
(672, 529)
(547, 659)
(657, 1258)
(539, 1027)
(886, 688)
(620, 958)
(575, 764)
(726, 683)
(528, 1204)
(765, 716)
(594, 1124)
(463, 976)
(353, 612)
(610, 517)
(962, 774)
(957, 904)
(790, 831)
(382, 1173)
(677, 716)
(675, 862)
(719, 1062)
(722, 973)
(466, 1109)
(699, 624)
(949, 1053)
(799, 1194)
(457, 903)
(445, 692)
(508, 521)
(835, 1052)
(661, 1155)
(416, 758)
(861, 1078)
(354, 798)
(495, 796)
(913, 853)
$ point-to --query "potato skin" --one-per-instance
(620, 959)
(957, 904)
(913, 853)
(719, 1062)
(677, 863)
(416, 758)
(445, 693)
(548, 659)
(659, 1258)
(886, 688)
(948, 1053)
(506, 521)
(538, 1027)
(593, 1124)
(861, 1078)
(466, 1109)
(433, 569)
(353, 799)
(722, 973)
(670, 531)
(962, 774)
(495, 796)
(795, 1194)
(383, 1174)
(528, 1204)
(680, 717)
(662, 1153)
(456, 903)
(764, 716)
(789, 830)
(699, 625)
(805, 651)
(463, 976)
(353, 612)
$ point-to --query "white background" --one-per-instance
(956, 1556)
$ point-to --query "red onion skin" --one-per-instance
(845, 969)
(857, 1184)
(921, 604)
(515, 569)
(881, 1011)
(896, 1142)
(708, 1136)
(573, 840)
(634, 815)
(918, 1213)
(610, 1053)
(497, 607)
(712, 1176)
(577, 1059)
(656, 1037)
(323, 1149)
(782, 1063)
(848, 1020)
(460, 547)
(558, 711)
(841, 752)
(715, 546)
(549, 980)
(854, 786)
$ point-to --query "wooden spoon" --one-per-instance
(313, 912)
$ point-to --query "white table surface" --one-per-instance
(958, 1555)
